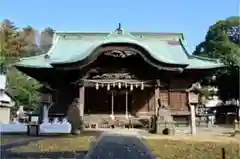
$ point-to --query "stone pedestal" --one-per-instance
(76, 131)
(164, 114)
(165, 120)
(33, 130)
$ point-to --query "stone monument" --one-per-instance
(165, 121)
(74, 117)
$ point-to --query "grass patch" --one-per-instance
(187, 149)
(5, 141)
(162, 148)
(8, 140)
(57, 144)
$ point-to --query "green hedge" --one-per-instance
(172, 149)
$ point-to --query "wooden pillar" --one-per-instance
(157, 94)
(193, 119)
(112, 105)
(81, 101)
(126, 109)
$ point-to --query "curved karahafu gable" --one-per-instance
(154, 51)
(161, 50)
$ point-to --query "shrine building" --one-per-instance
(101, 77)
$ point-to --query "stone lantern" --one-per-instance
(45, 103)
(193, 100)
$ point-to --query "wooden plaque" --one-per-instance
(193, 98)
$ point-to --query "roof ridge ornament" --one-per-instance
(119, 30)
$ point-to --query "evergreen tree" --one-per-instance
(222, 42)
(16, 43)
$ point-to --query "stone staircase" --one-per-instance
(96, 121)
(93, 121)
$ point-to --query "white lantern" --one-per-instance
(97, 86)
(136, 85)
(119, 85)
(142, 86)
(131, 87)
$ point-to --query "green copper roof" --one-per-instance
(34, 62)
(197, 62)
(73, 47)
(80, 49)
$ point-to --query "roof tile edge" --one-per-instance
(62, 33)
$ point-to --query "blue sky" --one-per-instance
(192, 17)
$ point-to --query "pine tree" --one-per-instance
(11, 42)
(29, 36)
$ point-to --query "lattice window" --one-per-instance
(178, 100)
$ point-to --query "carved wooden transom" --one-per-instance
(114, 76)
(121, 54)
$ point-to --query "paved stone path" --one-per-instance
(119, 145)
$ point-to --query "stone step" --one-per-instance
(105, 121)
